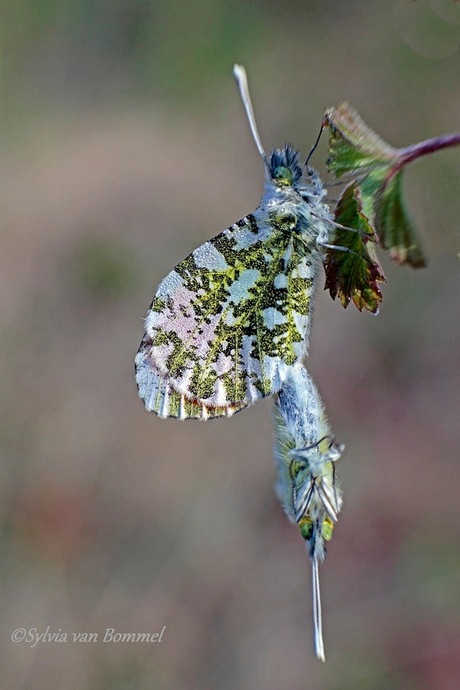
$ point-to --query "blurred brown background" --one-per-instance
(123, 146)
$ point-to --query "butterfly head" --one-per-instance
(284, 166)
(309, 527)
(316, 533)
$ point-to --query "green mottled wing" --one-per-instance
(160, 397)
(229, 319)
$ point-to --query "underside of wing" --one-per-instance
(160, 397)
(229, 319)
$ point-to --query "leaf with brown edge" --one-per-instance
(395, 229)
(352, 269)
(353, 146)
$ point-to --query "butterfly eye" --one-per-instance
(327, 530)
(282, 175)
(306, 528)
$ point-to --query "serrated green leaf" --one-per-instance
(356, 149)
(353, 146)
(352, 269)
(395, 229)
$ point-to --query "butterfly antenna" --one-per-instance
(317, 616)
(314, 147)
(242, 80)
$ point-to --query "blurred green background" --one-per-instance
(123, 146)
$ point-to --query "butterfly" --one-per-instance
(229, 320)
(305, 456)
